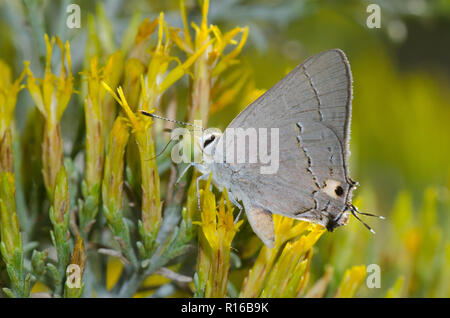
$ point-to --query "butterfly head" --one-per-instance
(207, 144)
(343, 217)
(340, 220)
(340, 213)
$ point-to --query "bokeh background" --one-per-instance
(400, 141)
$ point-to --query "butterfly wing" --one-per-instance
(311, 108)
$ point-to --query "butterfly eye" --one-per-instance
(208, 141)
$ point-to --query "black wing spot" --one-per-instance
(339, 191)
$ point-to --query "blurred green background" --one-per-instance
(400, 140)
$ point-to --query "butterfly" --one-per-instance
(310, 111)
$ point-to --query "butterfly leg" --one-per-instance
(236, 204)
(191, 164)
(239, 215)
(202, 177)
(184, 172)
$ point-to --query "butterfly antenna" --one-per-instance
(170, 120)
(162, 151)
(354, 211)
(364, 223)
(354, 208)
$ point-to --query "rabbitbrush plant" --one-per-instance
(103, 215)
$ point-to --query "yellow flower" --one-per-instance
(212, 61)
(155, 82)
(51, 96)
(112, 187)
(353, 279)
(53, 93)
(288, 270)
(9, 90)
(151, 202)
(136, 123)
(95, 105)
(217, 230)
(217, 223)
(158, 79)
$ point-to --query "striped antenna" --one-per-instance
(170, 120)
(354, 210)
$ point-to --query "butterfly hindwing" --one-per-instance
(311, 107)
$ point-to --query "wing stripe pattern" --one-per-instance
(315, 90)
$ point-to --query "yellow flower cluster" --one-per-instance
(51, 96)
(217, 230)
(212, 62)
(294, 240)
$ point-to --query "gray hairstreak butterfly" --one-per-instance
(310, 110)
